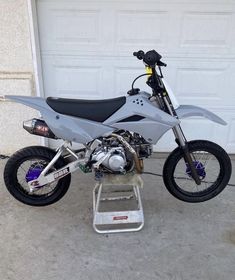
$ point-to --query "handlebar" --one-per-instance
(140, 54)
(151, 58)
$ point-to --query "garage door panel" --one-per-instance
(71, 78)
(129, 23)
(202, 30)
(202, 85)
(70, 29)
(76, 26)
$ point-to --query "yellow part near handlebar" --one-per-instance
(148, 70)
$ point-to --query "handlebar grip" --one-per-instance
(140, 54)
(135, 53)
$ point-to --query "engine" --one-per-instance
(113, 159)
(115, 154)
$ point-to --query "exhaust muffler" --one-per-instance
(38, 127)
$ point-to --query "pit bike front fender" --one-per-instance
(185, 111)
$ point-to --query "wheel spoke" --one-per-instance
(32, 164)
(202, 160)
(212, 165)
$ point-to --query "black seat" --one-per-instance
(94, 110)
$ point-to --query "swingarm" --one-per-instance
(48, 177)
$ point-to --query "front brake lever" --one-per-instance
(160, 63)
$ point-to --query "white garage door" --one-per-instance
(86, 50)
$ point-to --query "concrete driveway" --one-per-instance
(179, 240)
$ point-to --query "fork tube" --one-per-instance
(183, 144)
(177, 129)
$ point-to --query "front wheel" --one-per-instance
(26, 165)
(213, 167)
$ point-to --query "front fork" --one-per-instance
(182, 142)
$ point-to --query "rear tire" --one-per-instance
(177, 177)
(15, 176)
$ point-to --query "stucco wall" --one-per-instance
(16, 74)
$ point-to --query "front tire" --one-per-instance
(212, 164)
(31, 161)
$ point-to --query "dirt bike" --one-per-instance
(117, 135)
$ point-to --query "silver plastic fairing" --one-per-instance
(185, 111)
(153, 125)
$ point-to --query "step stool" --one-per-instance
(118, 192)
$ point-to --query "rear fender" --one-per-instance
(185, 111)
(37, 103)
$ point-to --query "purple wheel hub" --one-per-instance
(199, 167)
(33, 173)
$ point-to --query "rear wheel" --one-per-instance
(26, 165)
(213, 167)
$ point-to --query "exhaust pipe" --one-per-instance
(38, 127)
(138, 162)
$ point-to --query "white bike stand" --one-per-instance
(117, 205)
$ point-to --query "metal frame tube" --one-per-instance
(52, 162)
